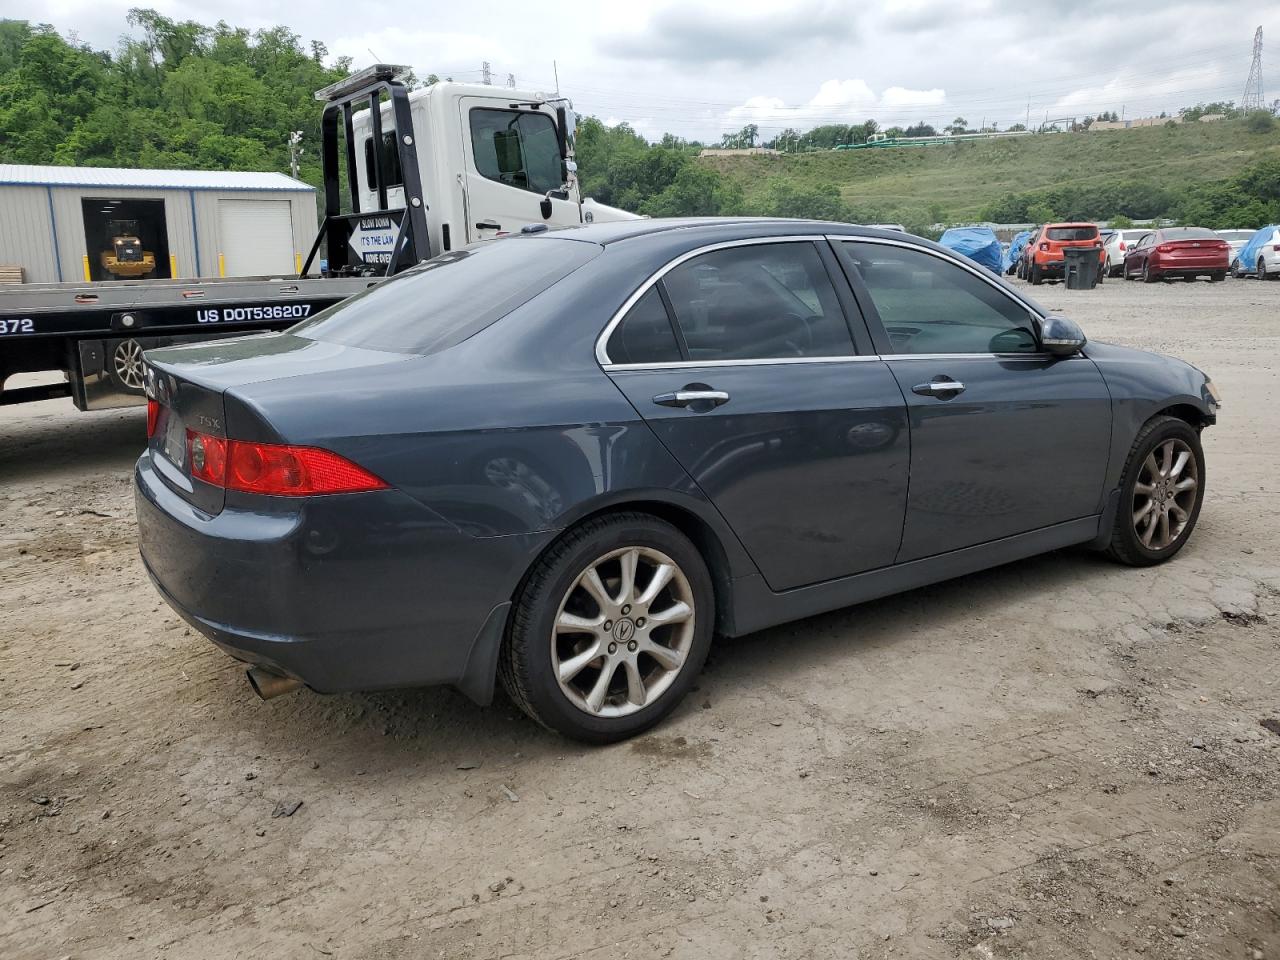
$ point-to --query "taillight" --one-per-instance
(153, 417)
(208, 458)
(1044, 246)
(1122, 246)
(275, 470)
(1276, 248)
(1164, 248)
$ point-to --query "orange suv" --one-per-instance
(1046, 259)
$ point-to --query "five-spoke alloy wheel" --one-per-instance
(610, 628)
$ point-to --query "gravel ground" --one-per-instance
(1058, 758)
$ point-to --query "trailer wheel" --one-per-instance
(125, 367)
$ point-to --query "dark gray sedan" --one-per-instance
(568, 459)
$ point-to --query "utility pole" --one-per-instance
(485, 75)
(1253, 99)
(1027, 125)
(295, 152)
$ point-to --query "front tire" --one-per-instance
(1161, 492)
(610, 628)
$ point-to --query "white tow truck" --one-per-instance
(428, 171)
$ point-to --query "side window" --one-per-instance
(645, 334)
(929, 305)
(390, 161)
(516, 147)
(765, 301)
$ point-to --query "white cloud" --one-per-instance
(836, 101)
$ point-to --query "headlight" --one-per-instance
(1212, 388)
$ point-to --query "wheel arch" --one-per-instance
(1188, 412)
(725, 558)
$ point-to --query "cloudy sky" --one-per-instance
(700, 67)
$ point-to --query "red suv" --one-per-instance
(1045, 257)
(1185, 252)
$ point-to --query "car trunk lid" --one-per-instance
(191, 396)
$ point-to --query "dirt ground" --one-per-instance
(1058, 758)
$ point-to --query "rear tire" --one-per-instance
(1037, 274)
(1262, 270)
(1146, 274)
(1157, 510)
(566, 671)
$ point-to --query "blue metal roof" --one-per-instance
(31, 175)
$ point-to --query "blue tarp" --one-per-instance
(1248, 255)
(979, 244)
(1015, 248)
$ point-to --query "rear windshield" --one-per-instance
(1189, 233)
(1073, 233)
(450, 297)
(1235, 234)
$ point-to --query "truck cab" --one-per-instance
(489, 161)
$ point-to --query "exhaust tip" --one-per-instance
(268, 684)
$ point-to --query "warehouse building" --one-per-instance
(65, 224)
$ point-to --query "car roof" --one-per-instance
(620, 230)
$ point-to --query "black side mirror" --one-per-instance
(1061, 337)
(546, 208)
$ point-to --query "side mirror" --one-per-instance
(1061, 337)
(546, 208)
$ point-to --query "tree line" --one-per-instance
(186, 95)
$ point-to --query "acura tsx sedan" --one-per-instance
(566, 460)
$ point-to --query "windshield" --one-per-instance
(450, 297)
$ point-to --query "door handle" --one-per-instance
(946, 389)
(488, 225)
(683, 398)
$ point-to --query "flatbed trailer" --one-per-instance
(96, 333)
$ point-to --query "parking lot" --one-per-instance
(1057, 758)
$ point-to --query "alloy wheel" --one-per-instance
(1164, 495)
(127, 362)
(623, 632)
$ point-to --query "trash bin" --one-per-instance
(1081, 270)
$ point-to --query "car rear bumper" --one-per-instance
(1189, 266)
(355, 592)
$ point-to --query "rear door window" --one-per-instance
(450, 297)
(768, 301)
(645, 334)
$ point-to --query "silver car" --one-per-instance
(1236, 239)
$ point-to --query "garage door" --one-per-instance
(255, 238)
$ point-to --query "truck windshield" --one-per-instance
(450, 297)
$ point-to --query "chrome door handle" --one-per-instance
(939, 388)
(682, 398)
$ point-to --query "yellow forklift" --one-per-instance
(125, 259)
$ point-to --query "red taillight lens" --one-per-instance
(275, 469)
(1044, 246)
(208, 457)
(1122, 246)
(1164, 248)
(153, 416)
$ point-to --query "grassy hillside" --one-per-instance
(956, 183)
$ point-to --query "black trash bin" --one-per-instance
(1081, 270)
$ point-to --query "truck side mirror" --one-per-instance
(546, 208)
